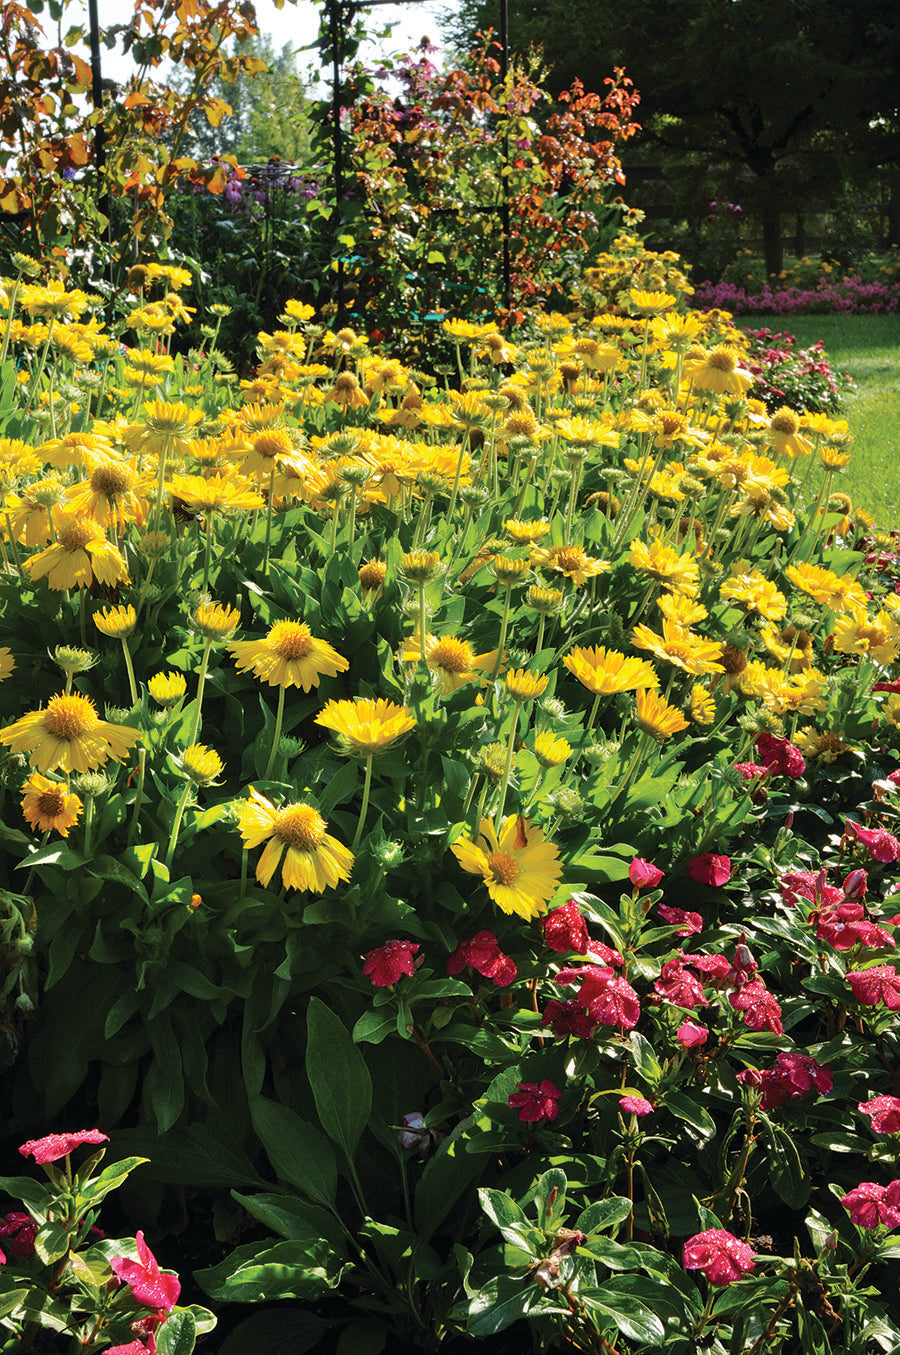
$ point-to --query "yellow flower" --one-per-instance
(679, 573)
(7, 663)
(651, 303)
(824, 747)
(80, 554)
(288, 655)
(525, 686)
(169, 425)
(509, 571)
(824, 587)
(524, 533)
(655, 716)
(571, 562)
(215, 493)
(702, 708)
(50, 804)
(718, 372)
(682, 610)
(678, 646)
(550, 750)
(200, 763)
(76, 449)
(313, 860)
(420, 566)
(111, 495)
(757, 593)
(369, 726)
(215, 622)
(167, 688)
(854, 633)
(521, 870)
(605, 672)
(117, 622)
(544, 600)
(453, 661)
(784, 434)
(372, 575)
(68, 733)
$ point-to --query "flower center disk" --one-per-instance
(300, 826)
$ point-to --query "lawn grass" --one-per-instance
(868, 347)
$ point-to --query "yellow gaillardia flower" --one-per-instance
(68, 733)
(313, 860)
(701, 706)
(116, 622)
(719, 372)
(521, 870)
(509, 571)
(605, 671)
(215, 622)
(50, 804)
(757, 593)
(167, 688)
(288, 655)
(201, 764)
(7, 663)
(111, 495)
(679, 573)
(678, 646)
(826, 588)
(550, 749)
(80, 554)
(372, 575)
(571, 562)
(453, 661)
(525, 686)
(169, 425)
(854, 633)
(524, 533)
(655, 716)
(821, 747)
(420, 566)
(369, 726)
(216, 493)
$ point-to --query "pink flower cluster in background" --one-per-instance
(849, 295)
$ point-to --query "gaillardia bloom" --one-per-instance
(69, 734)
(368, 726)
(521, 870)
(453, 661)
(288, 655)
(79, 555)
(605, 672)
(49, 804)
(313, 860)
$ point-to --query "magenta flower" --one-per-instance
(483, 954)
(20, 1230)
(599, 950)
(882, 845)
(713, 966)
(386, 964)
(792, 1077)
(870, 1205)
(759, 1007)
(721, 1256)
(807, 884)
(885, 1113)
(710, 869)
(751, 771)
(847, 926)
(643, 874)
(679, 985)
(568, 1018)
(565, 928)
(636, 1105)
(780, 756)
(686, 922)
(536, 1102)
(149, 1285)
(54, 1146)
(875, 986)
(690, 1035)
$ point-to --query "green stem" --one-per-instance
(421, 587)
(160, 483)
(507, 770)
(207, 554)
(130, 666)
(504, 623)
(138, 798)
(88, 823)
(269, 507)
(179, 814)
(201, 682)
(276, 736)
(367, 786)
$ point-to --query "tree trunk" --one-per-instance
(799, 235)
(773, 244)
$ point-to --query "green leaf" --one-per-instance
(177, 1335)
(633, 1320)
(374, 1026)
(260, 1273)
(687, 1109)
(296, 1150)
(293, 1218)
(501, 1302)
(786, 1173)
(9, 1302)
(603, 1214)
(340, 1081)
(51, 1242)
(279, 1331)
(53, 854)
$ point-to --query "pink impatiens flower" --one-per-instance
(721, 1256)
(387, 963)
(780, 756)
(690, 1035)
(568, 1018)
(885, 1113)
(759, 1007)
(710, 869)
(870, 1205)
(679, 985)
(54, 1146)
(483, 954)
(149, 1285)
(793, 1076)
(882, 845)
(872, 987)
(536, 1102)
(20, 1230)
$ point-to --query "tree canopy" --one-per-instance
(781, 95)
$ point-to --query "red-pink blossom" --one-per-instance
(751, 771)
(149, 1285)
(54, 1146)
(872, 987)
(686, 922)
(713, 966)
(679, 985)
(855, 884)
(599, 950)
(536, 1102)
(636, 1105)
(846, 926)
(882, 845)
(568, 1018)
(759, 1007)
(387, 963)
(133, 1348)
(483, 954)
(870, 1205)
(710, 869)
(780, 755)
(792, 1077)
(721, 1256)
(691, 1035)
(643, 874)
(565, 928)
(20, 1230)
(885, 1113)
(808, 884)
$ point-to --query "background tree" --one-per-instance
(789, 100)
